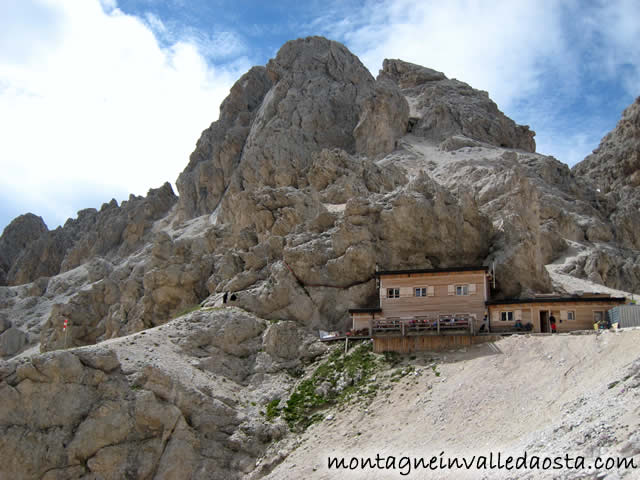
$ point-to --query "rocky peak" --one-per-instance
(442, 107)
(613, 170)
(408, 75)
(322, 97)
(615, 163)
(305, 184)
(16, 237)
(113, 229)
(314, 94)
(220, 146)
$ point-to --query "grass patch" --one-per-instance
(435, 370)
(392, 358)
(336, 380)
(272, 411)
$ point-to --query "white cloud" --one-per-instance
(89, 102)
(614, 28)
(496, 47)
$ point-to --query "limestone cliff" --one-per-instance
(314, 174)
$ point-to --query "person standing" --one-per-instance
(552, 323)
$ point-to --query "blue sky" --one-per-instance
(103, 98)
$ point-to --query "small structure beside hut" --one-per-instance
(625, 316)
(436, 309)
(577, 312)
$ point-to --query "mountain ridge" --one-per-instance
(315, 175)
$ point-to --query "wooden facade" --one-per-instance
(362, 320)
(441, 298)
(428, 343)
(435, 309)
(571, 313)
(428, 295)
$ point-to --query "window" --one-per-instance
(420, 291)
(506, 316)
(462, 289)
(393, 293)
(598, 316)
(571, 315)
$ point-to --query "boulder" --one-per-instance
(12, 341)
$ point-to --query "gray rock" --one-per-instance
(220, 147)
(441, 107)
(5, 323)
(282, 340)
(16, 238)
(12, 341)
(614, 169)
(112, 230)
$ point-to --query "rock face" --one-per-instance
(613, 172)
(441, 108)
(314, 174)
(615, 164)
(614, 169)
(219, 148)
(314, 94)
(136, 409)
(112, 230)
(15, 238)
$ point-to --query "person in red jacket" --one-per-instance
(552, 322)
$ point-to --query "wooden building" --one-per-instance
(570, 313)
(433, 296)
(432, 309)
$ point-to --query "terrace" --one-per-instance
(460, 324)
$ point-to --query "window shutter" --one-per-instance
(431, 291)
(383, 292)
(563, 315)
(518, 315)
(406, 291)
(495, 316)
(472, 289)
(451, 290)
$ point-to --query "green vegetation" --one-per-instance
(401, 372)
(336, 380)
(392, 358)
(272, 409)
(435, 370)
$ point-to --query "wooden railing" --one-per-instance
(424, 325)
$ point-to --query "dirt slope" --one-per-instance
(546, 395)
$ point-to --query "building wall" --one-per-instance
(530, 312)
(440, 300)
(626, 315)
(428, 343)
(361, 320)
